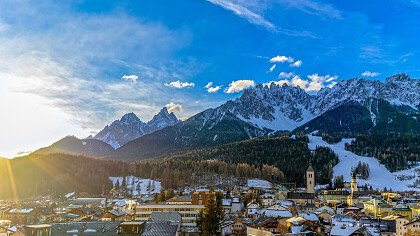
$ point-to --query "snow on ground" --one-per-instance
(280, 121)
(138, 186)
(258, 183)
(379, 176)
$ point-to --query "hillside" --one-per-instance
(58, 174)
(74, 146)
(380, 177)
(395, 151)
(375, 115)
(206, 129)
(291, 156)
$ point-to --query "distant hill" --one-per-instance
(75, 146)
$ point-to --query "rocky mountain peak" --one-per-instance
(130, 118)
(130, 127)
(398, 78)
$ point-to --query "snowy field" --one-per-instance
(258, 183)
(379, 177)
(138, 186)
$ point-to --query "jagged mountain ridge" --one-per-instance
(130, 127)
(286, 107)
(266, 109)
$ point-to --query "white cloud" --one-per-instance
(179, 84)
(317, 82)
(285, 75)
(272, 68)
(369, 74)
(132, 78)
(314, 82)
(279, 83)
(298, 82)
(240, 9)
(173, 107)
(212, 89)
(281, 59)
(296, 64)
(209, 84)
(239, 85)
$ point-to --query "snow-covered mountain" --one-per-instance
(286, 107)
(267, 109)
(130, 127)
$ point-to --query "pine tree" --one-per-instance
(209, 219)
(170, 194)
(162, 196)
(156, 198)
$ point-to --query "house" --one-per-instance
(403, 211)
(113, 215)
(37, 230)
(22, 216)
(159, 228)
(239, 227)
(251, 231)
(301, 197)
(377, 208)
(266, 223)
(415, 211)
(309, 216)
(335, 196)
(226, 228)
(349, 231)
(406, 227)
(237, 205)
(200, 198)
(130, 227)
(252, 210)
(103, 228)
(339, 208)
(267, 199)
(325, 209)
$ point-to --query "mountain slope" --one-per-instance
(75, 146)
(130, 127)
(375, 115)
(208, 128)
(379, 177)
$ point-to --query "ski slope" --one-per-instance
(138, 186)
(379, 177)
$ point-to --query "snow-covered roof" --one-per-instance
(275, 213)
(309, 216)
(343, 230)
(21, 211)
(226, 202)
(258, 183)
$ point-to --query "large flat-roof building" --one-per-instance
(188, 213)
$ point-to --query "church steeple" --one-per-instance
(353, 181)
(310, 179)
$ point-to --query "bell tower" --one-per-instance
(310, 179)
(353, 182)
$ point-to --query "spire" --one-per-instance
(310, 167)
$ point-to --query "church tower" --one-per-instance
(310, 179)
(353, 182)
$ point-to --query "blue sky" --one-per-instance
(71, 67)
